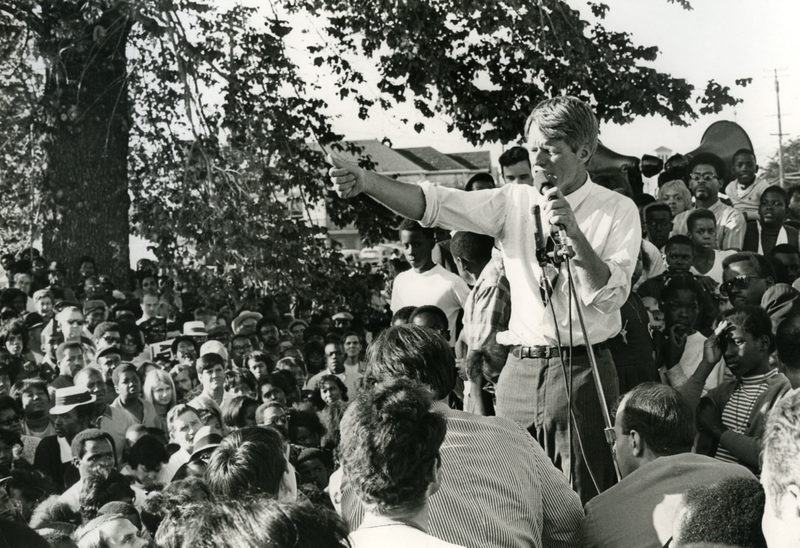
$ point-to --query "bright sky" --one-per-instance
(719, 39)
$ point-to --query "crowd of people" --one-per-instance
(625, 378)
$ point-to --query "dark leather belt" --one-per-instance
(547, 352)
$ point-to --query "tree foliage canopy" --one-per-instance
(223, 127)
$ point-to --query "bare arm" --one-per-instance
(349, 181)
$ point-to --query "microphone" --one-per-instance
(543, 184)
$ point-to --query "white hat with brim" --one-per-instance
(69, 398)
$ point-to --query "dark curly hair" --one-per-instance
(390, 446)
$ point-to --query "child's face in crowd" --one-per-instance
(680, 308)
(679, 258)
(704, 233)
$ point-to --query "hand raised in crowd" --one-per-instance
(557, 211)
(676, 344)
(708, 284)
(712, 348)
(348, 179)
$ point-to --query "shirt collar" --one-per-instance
(575, 199)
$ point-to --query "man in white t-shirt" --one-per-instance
(427, 283)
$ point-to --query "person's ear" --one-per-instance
(436, 478)
(770, 281)
(584, 154)
(756, 169)
(637, 444)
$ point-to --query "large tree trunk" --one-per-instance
(86, 198)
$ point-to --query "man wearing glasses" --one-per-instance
(707, 174)
(746, 276)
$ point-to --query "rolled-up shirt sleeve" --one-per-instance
(482, 211)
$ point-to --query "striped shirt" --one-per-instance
(498, 489)
(736, 413)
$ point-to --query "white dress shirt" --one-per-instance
(610, 223)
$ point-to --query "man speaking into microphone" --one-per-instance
(602, 228)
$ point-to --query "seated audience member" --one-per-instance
(789, 256)
(707, 173)
(745, 278)
(390, 452)
(507, 505)
(726, 514)
(654, 429)
(786, 342)
(239, 412)
(770, 229)
(110, 530)
(35, 406)
(129, 391)
(72, 413)
(681, 347)
(746, 191)
(733, 415)
(676, 195)
(707, 261)
(231, 523)
(114, 420)
(146, 459)
(251, 461)
(658, 223)
(93, 455)
(183, 423)
(780, 475)
(211, 372)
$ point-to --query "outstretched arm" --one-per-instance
(349, 181)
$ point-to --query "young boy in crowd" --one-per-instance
(732, 417)
(745, 191)
(427, 283)
(707, 261)
(771, 229)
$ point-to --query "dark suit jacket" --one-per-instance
(48, 460)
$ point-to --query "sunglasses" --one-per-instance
(739, 282)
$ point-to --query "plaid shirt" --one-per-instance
(488, 307)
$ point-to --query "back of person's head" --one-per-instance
(787, 337)
(661, 417)
(475, 248)
(753, 320)
(409, 225)
(252, 522)
(390, 446)
(514, 155)
(401, 316)
(679, 239)
(759, 263)
(780, 452)
(482, 179)
(248, 461)
(158, 504)
(727, 513)
(708, 159)
(566, 118)
(53, 510)
(413, 352)
(697, 215)
(149, 452)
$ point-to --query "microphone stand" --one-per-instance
(563, 252)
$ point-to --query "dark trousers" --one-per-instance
(532, 393)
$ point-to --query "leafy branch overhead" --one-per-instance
(193, 125)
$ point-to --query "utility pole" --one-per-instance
(780, 131)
